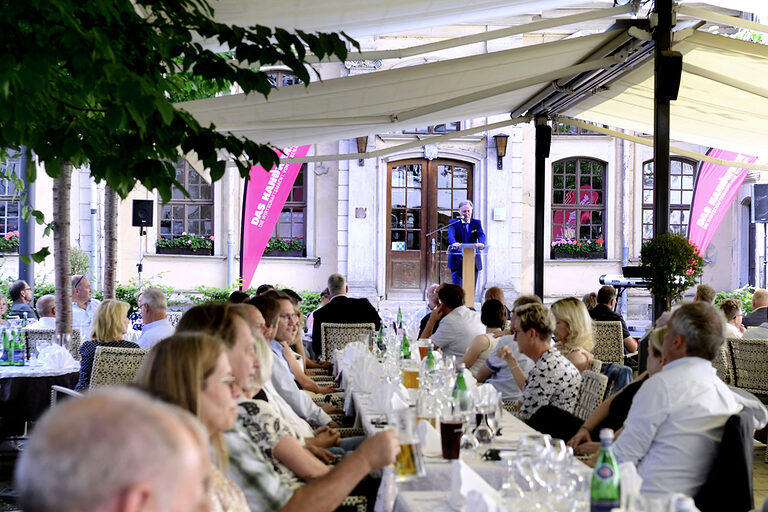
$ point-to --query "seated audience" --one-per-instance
(458, 324)
(21, 295)
(493, 315)
(759, 312)
(431, 295)
(573, 332)
(152, 307)
(46, 308)
(604, 312)
(675, 423)
(263, 487)
(611, 413)
(192, 371)
(264, 288)
(494, 292)
(144, 454)
(732, 309)
(497, 372)
(297, 343)
(110, 322)
(238, 297)
(705, 293)
(554, 379)
(325, 298)
(341, 309)
(589, 300)
(84, 306)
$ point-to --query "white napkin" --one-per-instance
(429, 438)
(58, 358)
(631, 481)
(388, 396)
(463, 480)
(487, 394)
(385, 498)
(479, 502)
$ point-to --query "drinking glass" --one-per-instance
(409, 463)
(450, 435)
(64, 340)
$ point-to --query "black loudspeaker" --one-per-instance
(760, 202)
(672, 65)
(543, 140)
(142, 212)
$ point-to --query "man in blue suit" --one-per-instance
(464, 231)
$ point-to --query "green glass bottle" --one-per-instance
(5, 359)
(460, 387)
(19, 352)
(399, 319)
(430, 364)
(405, 347)
(605, 491)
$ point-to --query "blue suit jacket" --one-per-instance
(457, 233)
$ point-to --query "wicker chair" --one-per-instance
(591, 393)
(750, 365)
(723, 363)
(174, 317)
(336, 336)
(115, 365)
(609, 342)
(32, 336)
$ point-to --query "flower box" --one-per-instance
(296, 253)
(591, 255)
(184, 250)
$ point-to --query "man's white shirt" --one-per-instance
(456, 331)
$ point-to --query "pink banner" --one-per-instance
(264, 196)
(716, 188)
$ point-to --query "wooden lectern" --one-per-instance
(468, 252)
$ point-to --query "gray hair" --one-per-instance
(701, 326)
(264, 355)
(155, 299)
(87, 451)
(336, 284)
(466, 201)
(46, 305)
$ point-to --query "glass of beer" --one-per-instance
(451, 428)
(411, 375)
(409, 463)
(423, 345)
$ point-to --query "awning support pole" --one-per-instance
(662, 36)
(543, 142)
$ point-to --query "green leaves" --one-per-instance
(672, 265)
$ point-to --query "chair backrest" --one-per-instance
(336, 336)
(723, 363)
(32, 336)
(729, 482)
(591, 393)
(609, 342)
(750, 364)
(115, 365)
(174, 317)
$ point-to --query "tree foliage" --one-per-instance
(94, 82)
(671, 264)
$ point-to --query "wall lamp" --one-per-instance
(501, 147)
(362, 147)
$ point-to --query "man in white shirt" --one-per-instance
(675, 424)
(83, 305)
(46, 308)
(152, 307)
(458, 324)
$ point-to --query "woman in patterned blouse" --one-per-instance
(109, 324)
(554, 379)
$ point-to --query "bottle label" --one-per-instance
(604, 472)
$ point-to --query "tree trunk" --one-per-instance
(62, 187)
(110, 241)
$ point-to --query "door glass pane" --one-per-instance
(413, 219)
(458, 197)
(414, 198)
(398, 177)
(398, 198)
(444, 199)
(398, 219)
(444, 176)
(414, 240)
(443, 217)
(460, 177)
(414, 176)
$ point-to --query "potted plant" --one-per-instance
(671, 265)
(568, 248)
(10, 242)
(285, 247)
(186, 244)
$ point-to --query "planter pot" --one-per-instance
(184, 250)
(296, 253)
(598, 255)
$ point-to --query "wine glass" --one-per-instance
(464, 404)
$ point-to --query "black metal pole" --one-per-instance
(543, 141)
(26, 227)
(662, 36)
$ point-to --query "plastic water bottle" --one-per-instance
(605, 490)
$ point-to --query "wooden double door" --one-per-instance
(422, 196)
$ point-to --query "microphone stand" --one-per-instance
(440, 252)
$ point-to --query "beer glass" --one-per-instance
(409, 463)
(451, 428)
(423, 345)
(410, 375)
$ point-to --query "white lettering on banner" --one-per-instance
(716, 199)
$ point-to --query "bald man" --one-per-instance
(759, 312)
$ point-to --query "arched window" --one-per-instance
(578, 207)
(682, 177)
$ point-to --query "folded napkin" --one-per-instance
(429, 438)
(479, 502)
(464, 480)
(486, 395)
(57, 358)
(631, 481)
(388, 396)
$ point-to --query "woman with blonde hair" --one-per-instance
(109, 324)
(573, 332)
(192, 371)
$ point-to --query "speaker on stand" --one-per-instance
(142, 218)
